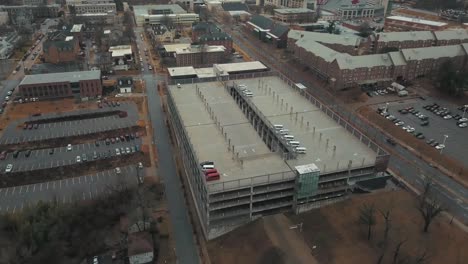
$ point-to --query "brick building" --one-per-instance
(95, 8)
(401, 23)
(268, 30)
(344, 70)
(402, 40)
(59, 48)
(200, 55)
(451, 37)
(59, 85)
(209, 34)
(344, 44)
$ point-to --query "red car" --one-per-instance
(3, 155)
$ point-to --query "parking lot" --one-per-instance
(15, 132)
(69, 190)
(456, 144)
(57, 157)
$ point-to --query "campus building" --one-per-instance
(267, 30)
(163, 14)
(209, 34)
(294, 15)
(30, 12)
(60, 48)
(95, 8)
(200, 55)
(401, 23)
(345, 9)
(82, 84)
(416, 59)
(259, 169)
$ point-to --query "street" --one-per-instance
(408, 166)
(186, 250)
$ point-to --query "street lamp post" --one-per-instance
(386, 107)
(443, 143)
(465, 107)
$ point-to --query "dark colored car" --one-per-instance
(36, 126)
(3, 155)
(391, 141)
(51, 151)
(28, 153)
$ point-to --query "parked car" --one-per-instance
(391, 141)
(78, 159)
(9, 168)
(3, 155)
(27, 153)
(69, 147)
(117, 170)
(462, 125)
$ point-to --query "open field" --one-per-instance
(333, 235)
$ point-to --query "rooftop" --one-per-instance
(120, 51)
(173, 47)
(225, 68)
(210, 144)
(451, 34)
(325, 37)
(418, 21)
(141, 10)
(293, 10)
(433, 52)
(397, 58)
(318, 49)
(199, 48)
(315, 131)
(364, 61)
(76, 28)
(406, 35)
(61, 77)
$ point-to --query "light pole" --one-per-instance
(386, 107)
(443, 143)
(465, 107)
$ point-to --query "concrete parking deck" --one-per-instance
(276, 100)
(250, 158)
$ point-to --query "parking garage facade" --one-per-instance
(223, 206)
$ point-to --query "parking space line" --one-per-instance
(40, 189)
(34, 187)
(97, 176)
(73, 180)
(79, 180)
(21, 188)
(60, 185)
(8, 207)
(85, 179)
(84, 196)
(90, 195)
(27, 188)
(47, 185)
(13, 192)
(21, 206)
(14, 209)
(66, 181)
(6, 192)
(53, 185)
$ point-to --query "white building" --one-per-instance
(310, 4)
(34, 2)
(155, 14)
(95, 8)
(78, 2)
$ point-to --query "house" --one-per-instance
(125, 84)
(268, 30)
(122, 56)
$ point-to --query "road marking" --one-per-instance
(14, 209)
(97, 176)
(8, 207)
(6, 192)
(73, 180)
(1, 191)
(27, 188)
(84, 196)
(22, 204)
(60, 187)
(90, 195)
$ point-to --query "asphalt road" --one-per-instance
(42, 159)
(409, 166)
(81, 188)
(186, 250)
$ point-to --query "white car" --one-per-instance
(7, 98)
(440, 146)
(150, 67)
(9, 92)
(140, 165)
(463, 119)
(69, 147)
(410, 129)
(462, 125)
(400, 123)
(78, 159)
(117, 151)
(117, 170)
(447, 117)
(9, 168)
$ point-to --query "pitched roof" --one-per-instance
(407, 35)
(234, 6)
(278, 30)
(433, 52)
(205, 26)
(215, 36)
(451, 34)
(364, 61)
(318, 49)
(261, 21)
(327, 38)
(397, 58)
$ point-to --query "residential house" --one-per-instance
(60, 48)
(125, 84)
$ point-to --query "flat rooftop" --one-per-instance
(209, 142)
(348, 147)
(141, 10)
(418, 21)
(61, 77)
(120, 51)
(223, 69)
(293, 11)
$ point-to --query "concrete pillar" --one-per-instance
(334, 151)
(320, 137)
(302, 120)
(326, 145)
(363, 160)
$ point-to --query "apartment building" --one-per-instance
(82, 84)
(344, 44)
(451, 37)
(200, 55)
(34, 2)
(401, 23)
(294, 15)
(401, 40)
(95, 8)
(345, 70)
(209, 34)
(291, 3)
(91, 2)
(31, 12)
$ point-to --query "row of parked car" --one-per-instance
(410, 110)
(122, 138)
(384, 112)
(447, 114)
(108, 154)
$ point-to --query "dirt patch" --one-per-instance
(453, 166)
(248, 244)
(338, 238)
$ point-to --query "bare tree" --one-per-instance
(367, 218)
(386, 216)
(397, 252)
(428, 205)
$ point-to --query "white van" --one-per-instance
(284, 131)
(208, 167)
(295, 143)
(278, 127)
(247, 93)
(301, 150)
(288, 137)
